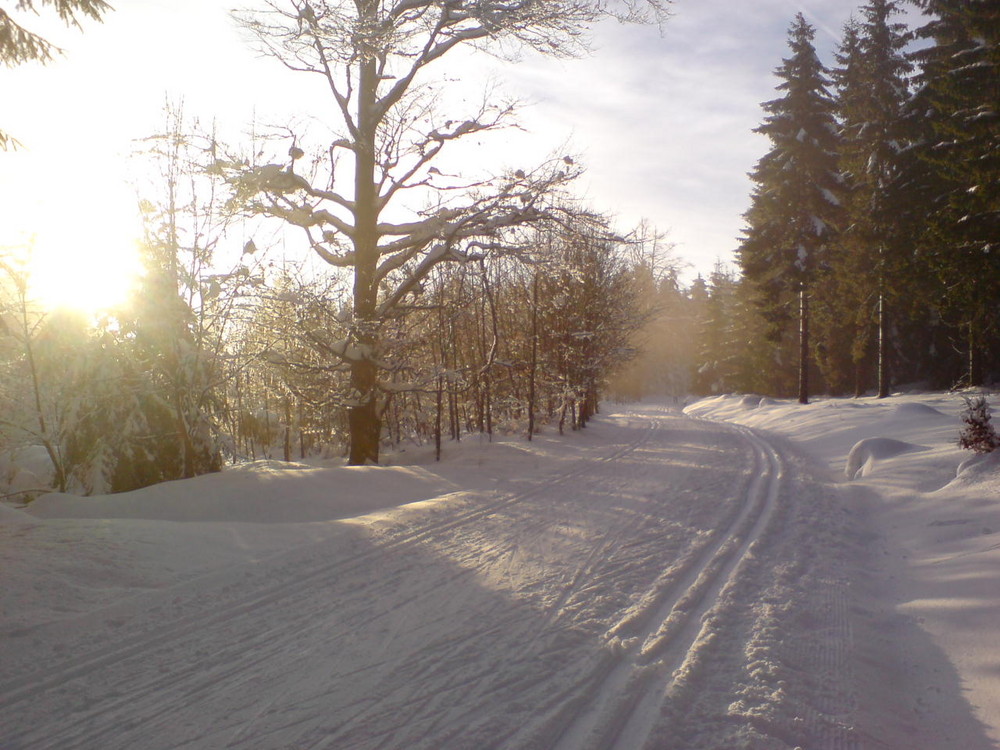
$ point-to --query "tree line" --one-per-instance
(449, 300)
(871, 254)
(219, 358)
(423, 303)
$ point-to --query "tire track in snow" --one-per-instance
(181, 686)
(624, 707)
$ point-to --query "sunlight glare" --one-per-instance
(84, 254)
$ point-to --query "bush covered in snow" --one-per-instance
(978, 434)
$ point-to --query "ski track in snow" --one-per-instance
(578, 612)
(624, 709)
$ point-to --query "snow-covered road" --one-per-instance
(667, 582)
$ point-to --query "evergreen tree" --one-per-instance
(978, 435)
(794, 208)
(872, 92)
(958, 96)
(717, 354)
(841, 325)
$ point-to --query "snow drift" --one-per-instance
(258, 492)
(866, 453)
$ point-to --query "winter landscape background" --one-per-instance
(367, 427)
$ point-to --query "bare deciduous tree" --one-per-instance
(398, 215)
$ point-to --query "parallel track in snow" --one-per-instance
(625, 703)
(154, 695)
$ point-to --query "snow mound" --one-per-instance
(258, 492)
(865, 453)
(24, 471)
(750, 402)
(916, 409)
(12, 517)
(980, 469)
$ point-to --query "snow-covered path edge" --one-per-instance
(925, 648)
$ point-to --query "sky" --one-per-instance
(662, 119)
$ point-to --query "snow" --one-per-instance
(867, 453)
(934, 513)
(656, 580)
(830, 197)
(26, 470)
(259, 492)
(13, 517)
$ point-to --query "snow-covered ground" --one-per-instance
(931, 513)
(654, 581)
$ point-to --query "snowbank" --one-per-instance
(258, 492)
(937, 512)
(12, 517)
(489, 594)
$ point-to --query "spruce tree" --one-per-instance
(872, 92)
(843, 321)
(978, 435)
(958, 96)
(794, 208)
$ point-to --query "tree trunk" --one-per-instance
(489, 409)
(188, 469)
(437, 420)
(302, 434)
(534, 357)
(362, 419)
(59, 478)
(803, 347)
(288, 431)
(883, 349)
(975, 364)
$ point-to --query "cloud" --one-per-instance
(665, 121)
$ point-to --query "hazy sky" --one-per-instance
(662, 121)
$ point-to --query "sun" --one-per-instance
(83, 268)
(83, 254)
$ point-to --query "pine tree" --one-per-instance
(958, 96)
(872, 92)
(794, 208)
(978, 435)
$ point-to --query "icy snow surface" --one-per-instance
(654, 581)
